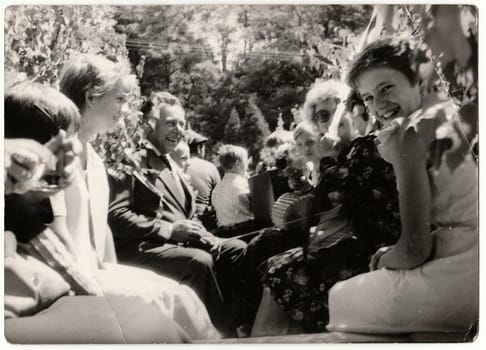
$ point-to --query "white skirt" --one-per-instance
(442, 295)
(175, 300)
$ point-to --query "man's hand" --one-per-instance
(186, 232)
(213, 241)
(193, 234)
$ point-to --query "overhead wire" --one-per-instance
(185, 48)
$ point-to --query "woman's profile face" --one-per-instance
(107, 107)
(387, 93)
(307, 145)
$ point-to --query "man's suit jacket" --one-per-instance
(144, 207)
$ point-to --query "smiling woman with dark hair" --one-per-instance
(427, 281)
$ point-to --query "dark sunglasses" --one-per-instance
(321, 116)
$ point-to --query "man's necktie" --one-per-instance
(179, 190)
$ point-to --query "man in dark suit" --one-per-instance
(151, 216)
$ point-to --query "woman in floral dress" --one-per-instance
(354, 211)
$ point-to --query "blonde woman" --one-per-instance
(98, 87)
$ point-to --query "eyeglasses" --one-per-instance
(321, 116)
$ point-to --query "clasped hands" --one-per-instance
(193, 234)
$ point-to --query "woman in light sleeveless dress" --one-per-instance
(428, 281)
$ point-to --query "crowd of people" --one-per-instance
(375, 223)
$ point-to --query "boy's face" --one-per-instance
(181, 157)
(307, 145)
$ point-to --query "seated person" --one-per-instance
(39, 112)
(99, 88)
(286, 211)
(322, 100)
(269, 160)
(288, 214)
(38, 299)
(428, 281)
(353, 212)
(152, 215)
(231, 196)
(319, 106)
(204, 176)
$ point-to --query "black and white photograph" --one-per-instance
(280, 173)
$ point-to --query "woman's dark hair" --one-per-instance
(398, 53)
(38, 112)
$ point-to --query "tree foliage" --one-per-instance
(256, 60)
(211, 56)
(39, 39)
(253, 60)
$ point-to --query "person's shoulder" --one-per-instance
(218, 190)
(241, 183)
(241, 179)
(436, 113)
(438, 101)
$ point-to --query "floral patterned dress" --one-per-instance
(359, 188)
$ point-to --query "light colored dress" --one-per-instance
(87, 208)
(443, 293)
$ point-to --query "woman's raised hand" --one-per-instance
(25, 163)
